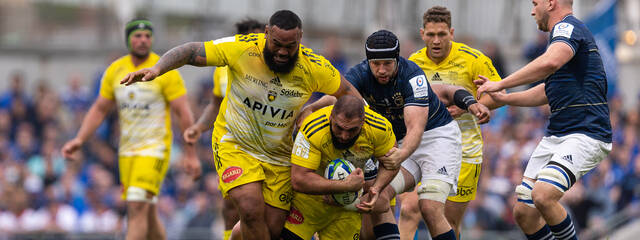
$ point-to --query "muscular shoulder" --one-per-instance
(376, 122)
(463, 51)
(316, 125)
(419, 57)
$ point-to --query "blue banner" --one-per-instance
(602, 23)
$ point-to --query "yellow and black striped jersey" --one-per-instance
(314, 148)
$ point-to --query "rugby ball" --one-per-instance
(339, 169)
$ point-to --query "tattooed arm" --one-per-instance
(192, 53)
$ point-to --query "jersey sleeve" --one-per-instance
(325, 77)
(220, 51)
(106, 84)
(416, 91)
(567, 33)
(173, 85)
(384, 138)
(218, 74)
(484, 66)
(355, 78)
(304, 153)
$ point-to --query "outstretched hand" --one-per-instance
(486, 86)
(142, 75)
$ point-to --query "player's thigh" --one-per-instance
(540, 157)
(235, 167)
(347, 226)
(277, 189)
(144, 172)
(467, 183)
(307, 216)
(440, 155)
(573, 156)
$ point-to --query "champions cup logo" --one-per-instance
(131, 95)
(231, 174)
(295, 216)
(420, 81)
(272, 95)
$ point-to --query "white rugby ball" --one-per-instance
(339, 169)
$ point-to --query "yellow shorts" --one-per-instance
(467, 182)
(309, 215)
(236, 168)
(143, 172)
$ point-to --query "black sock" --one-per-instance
(386, 231)
(564, 230)
(450, 235)
(543, 234)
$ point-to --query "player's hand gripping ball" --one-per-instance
(339, 169)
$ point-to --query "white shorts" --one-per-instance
(576, 152)
(438, 156)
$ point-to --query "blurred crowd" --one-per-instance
(41, 191)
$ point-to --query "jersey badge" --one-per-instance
(563, 30)
(419, 85)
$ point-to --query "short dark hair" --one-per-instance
(437, 14)
(285, 20)
(245, 26)
(349, 105)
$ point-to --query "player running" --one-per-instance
(579, 132)
(145, 129)
(447, 62)
(350, 131)
(271, 77)
(208, 117)
(429, 139)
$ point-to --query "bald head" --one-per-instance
(350, 107)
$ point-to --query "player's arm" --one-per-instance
(180, 107)
(461, 98)
(205, 121)
(98, 111)
(306, 180)
(192, 53)
(531, 97)
(345, 89)
(556, 56)
(415, 120)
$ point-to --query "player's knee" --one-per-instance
(436, 190)
(542, 198)
(250, 210)
(523, 192)
(137, 194)
(409, 210)
(521, 213)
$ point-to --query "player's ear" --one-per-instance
(267, 28)
(422, 34)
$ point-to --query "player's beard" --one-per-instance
(543, 24)
(141, 55)
(277, 67)
(343, 145)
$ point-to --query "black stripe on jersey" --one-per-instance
(371, 115)
(368, 121)
(462, 50)
(310, 122)
(324, 120)
(317, 129)
(376, 121)
(470, 49)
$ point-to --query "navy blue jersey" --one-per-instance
(577, 91)
(409, 88)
